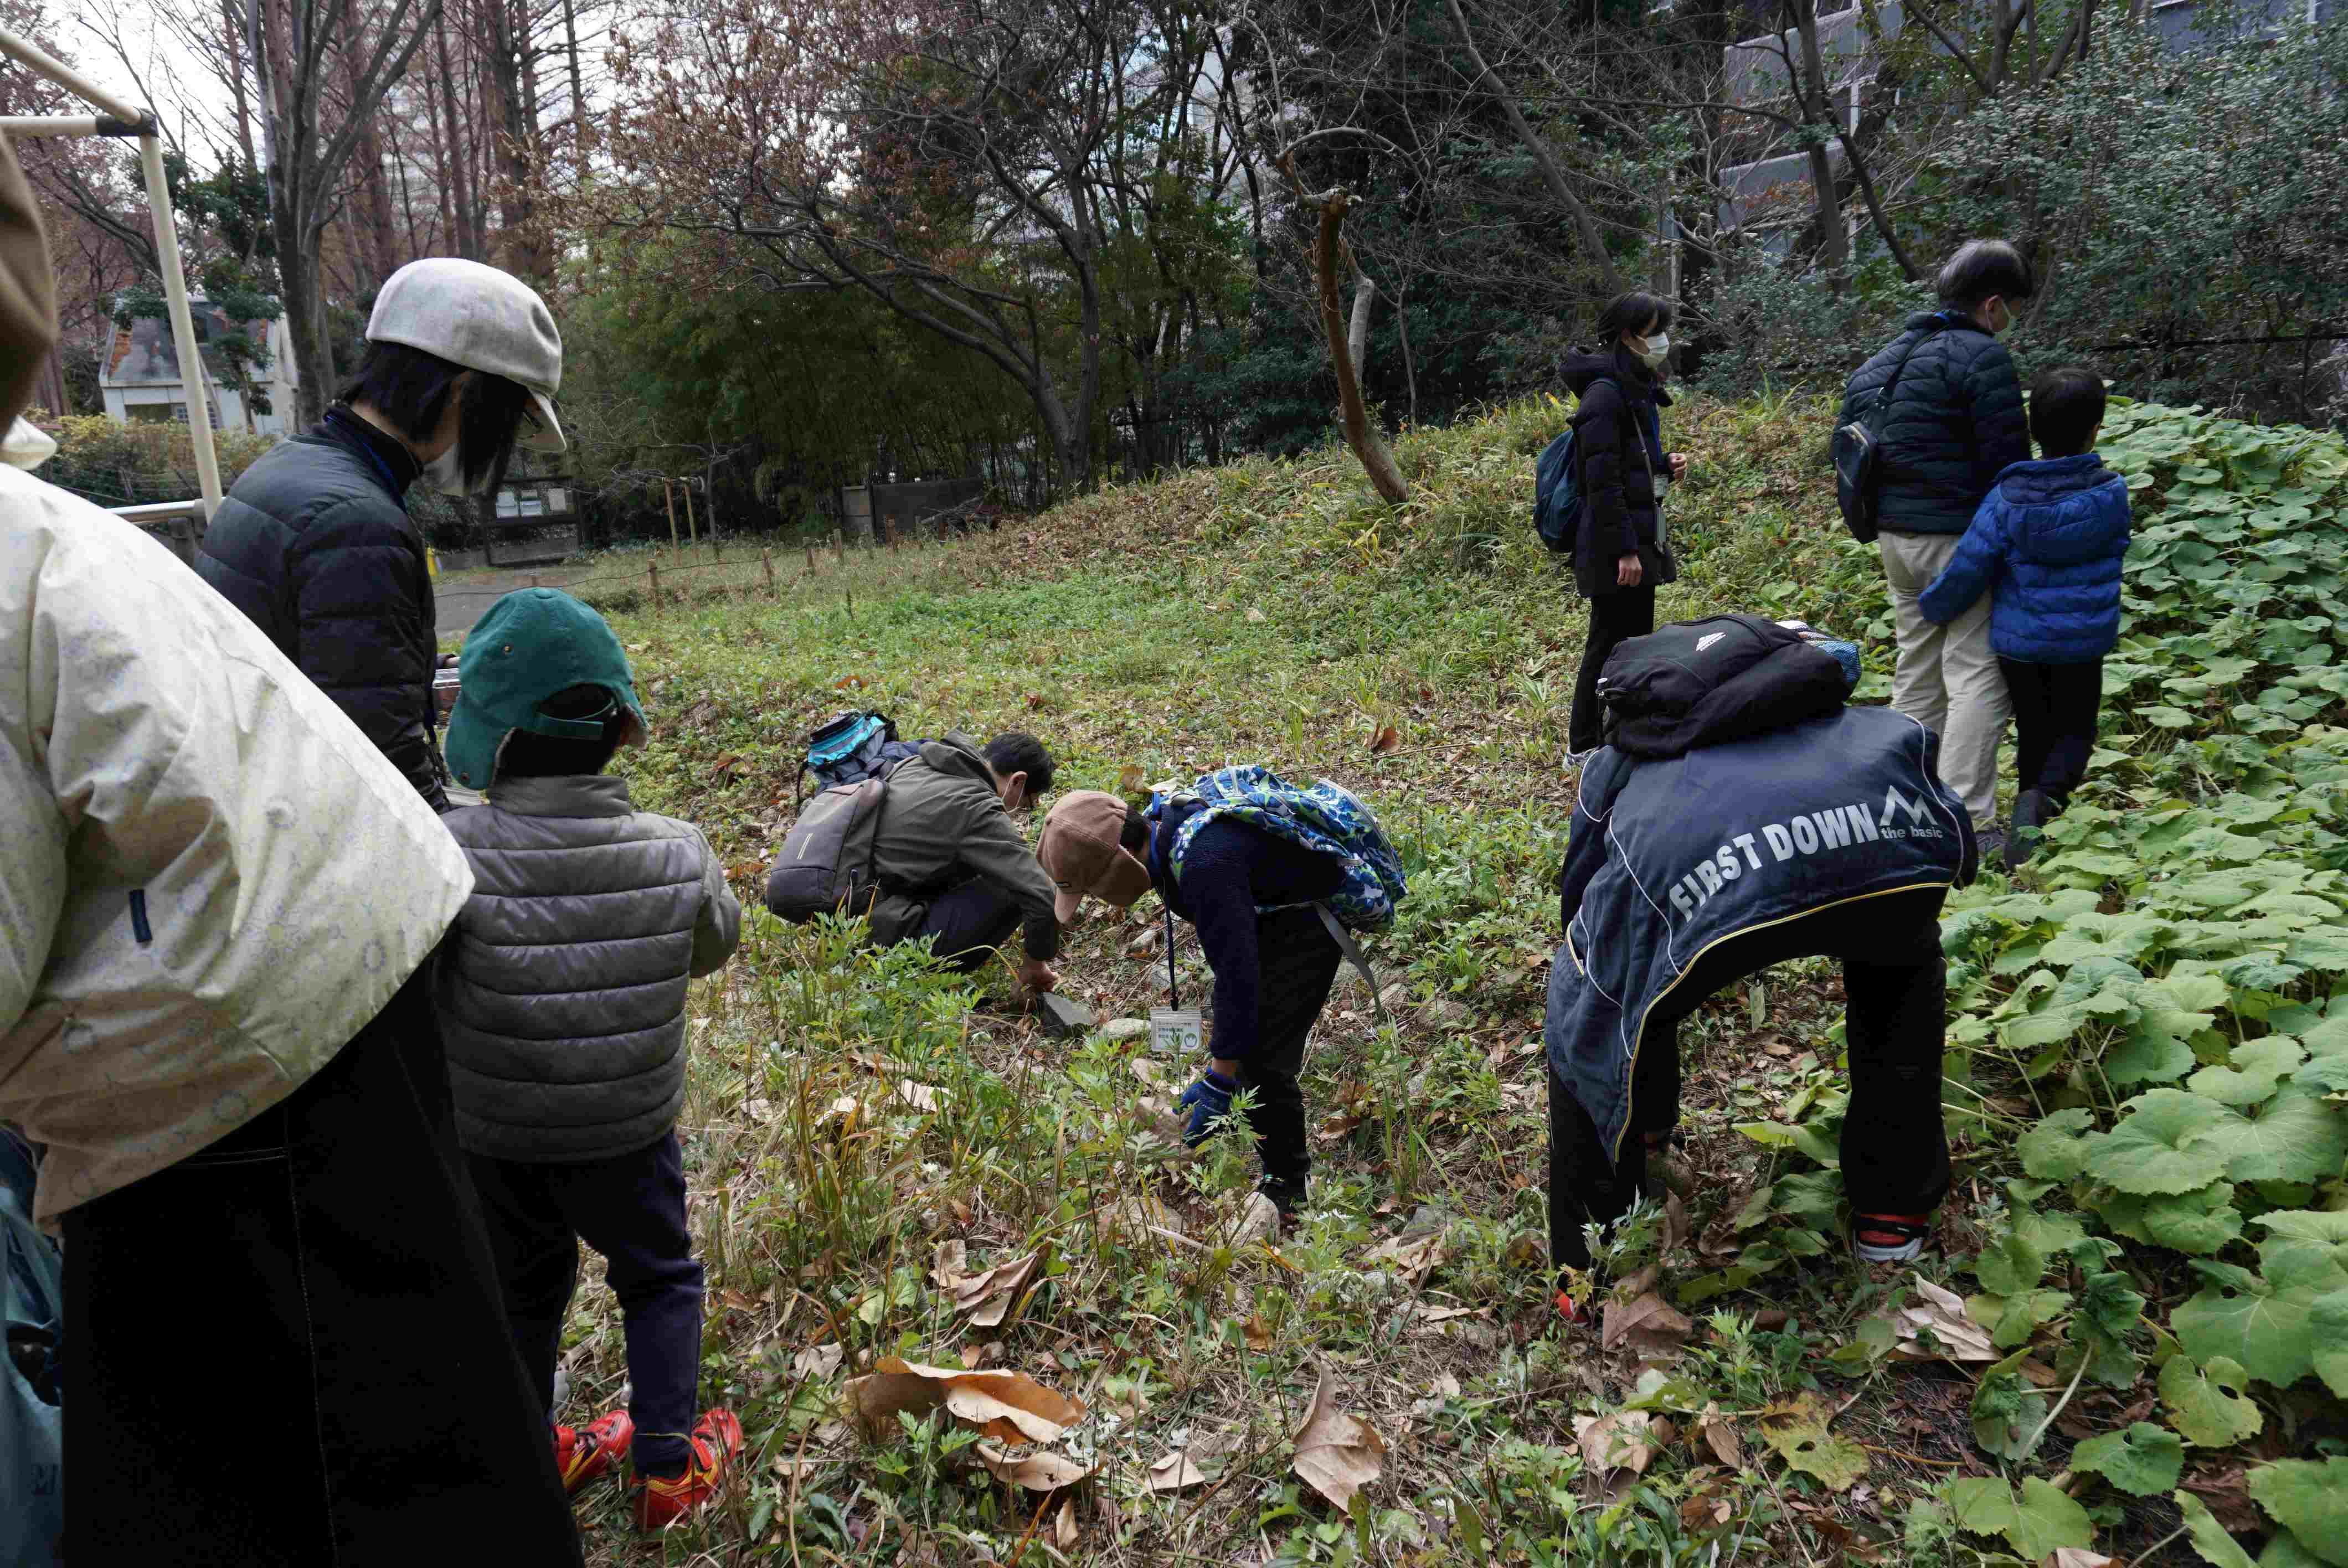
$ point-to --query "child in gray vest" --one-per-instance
(561, 993)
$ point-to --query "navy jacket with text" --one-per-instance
(1666, 859)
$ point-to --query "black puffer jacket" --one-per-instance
(314, 544)
(1955, 423)
(1619, 445)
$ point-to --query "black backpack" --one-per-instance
(826, 864)
(1858, 452)
(1705, 682)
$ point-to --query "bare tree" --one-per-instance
(308, 140)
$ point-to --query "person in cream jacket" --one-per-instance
(218, 905)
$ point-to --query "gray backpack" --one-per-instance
(826, 867)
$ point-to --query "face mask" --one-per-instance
(1658, 349)
(446, 472)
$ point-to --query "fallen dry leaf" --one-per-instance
(1614, 1447)
(2078, 1557)
(920, 1096)
(1257, 1332)
(1676, 1230)
(1337, 1452)
(1064, 1527)
(1940, 1314)
(1446, 1314)
(1036, 1472)
(1413, 1254)
(1718, 1433)
(1006, 1405)
(1386, 740)
(818, 1360)
(1255, 614)
(987, 1297)
(1174, 1473)
(1649, 1325)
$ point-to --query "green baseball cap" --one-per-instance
(533, 642)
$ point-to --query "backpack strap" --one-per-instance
(1354, 956)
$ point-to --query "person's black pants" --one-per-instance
(1615, 619)
(2054, 713)
(1895, 1152)
(631, 1209)
(969, 924)
(1296, 963)
(288, 1350)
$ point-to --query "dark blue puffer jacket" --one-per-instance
(1955, 422)
(2047, 546)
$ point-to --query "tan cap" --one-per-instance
(482, 318)
(1082, 854)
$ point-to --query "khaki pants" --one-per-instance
(1948, 680)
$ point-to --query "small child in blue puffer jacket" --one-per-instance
(2047, 546)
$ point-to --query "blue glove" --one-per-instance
(1203, 1104)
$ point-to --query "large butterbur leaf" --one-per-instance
(2141, 1461)
(2159, 1144)
(2309, 1500)
(2296, 1136)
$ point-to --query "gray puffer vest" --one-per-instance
(561, 989)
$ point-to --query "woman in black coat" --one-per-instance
(1620, 554)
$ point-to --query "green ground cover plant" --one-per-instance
(2131, 1342)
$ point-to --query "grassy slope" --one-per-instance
(1274, 612)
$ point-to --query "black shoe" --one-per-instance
(1989, 843)
(2032, 810)
(1286, 1193)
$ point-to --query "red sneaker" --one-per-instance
(1889, 1238)
(662, 1500)
(1575, 1315)
(585, 1453)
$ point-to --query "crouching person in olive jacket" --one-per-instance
(563, 997)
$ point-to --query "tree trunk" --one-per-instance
(232, 42)
(297, 279)
(464, 233)
(1357, 335)
(1834, 236)
(1361, 434)
(1409, 368)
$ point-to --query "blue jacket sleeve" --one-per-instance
(1971, 571)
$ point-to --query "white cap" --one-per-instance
(482, 318)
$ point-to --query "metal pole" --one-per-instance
(184, 325)
(66, 77)
(58, 125)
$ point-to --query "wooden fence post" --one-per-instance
(669, 496)
(810, 549)
(839, 544)
(690, 533)
(652, 571)
(766, 563)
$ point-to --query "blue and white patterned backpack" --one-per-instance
(1327, 819)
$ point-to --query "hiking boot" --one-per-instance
(1889, 1238)
(2032, 810)
(1287, 1195)
(662, 1500)
(584, 1454)
(1989, 846)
